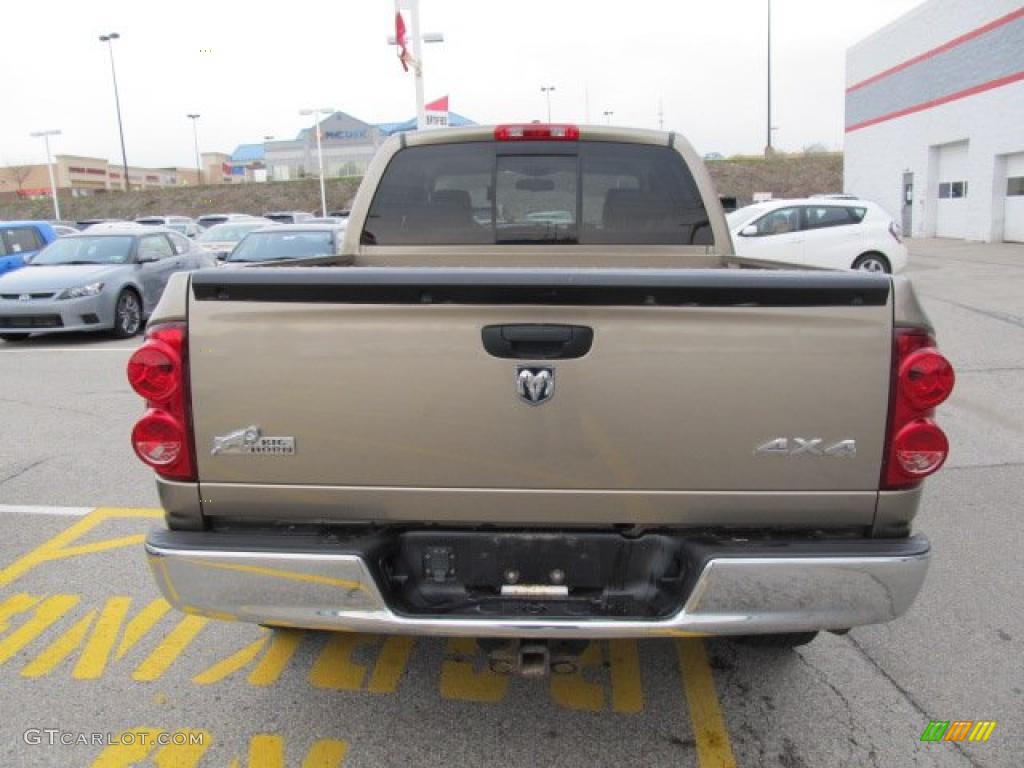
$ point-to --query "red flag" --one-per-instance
(440, 105)
(403, 52)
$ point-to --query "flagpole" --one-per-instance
(417, 53)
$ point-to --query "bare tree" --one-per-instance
(19, 173)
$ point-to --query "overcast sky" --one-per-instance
(248, 68)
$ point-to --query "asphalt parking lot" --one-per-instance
(87, 646)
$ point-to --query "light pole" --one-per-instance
(108, 39)
(195, 138)
(546, 90)
(319, 151)
(608, 116)
(768, 148)
(45, 135)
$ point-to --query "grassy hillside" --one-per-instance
(782, 175)
(301, 195)
(740, 176)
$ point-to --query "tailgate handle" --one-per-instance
(537, 341)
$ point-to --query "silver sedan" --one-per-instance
(94, 281)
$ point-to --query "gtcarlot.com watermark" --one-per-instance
(55, 736)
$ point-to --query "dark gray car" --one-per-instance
(284, 243)
(110, 280)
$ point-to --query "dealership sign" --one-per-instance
(437, 113)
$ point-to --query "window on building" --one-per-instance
(952, 190)
(1015, 186)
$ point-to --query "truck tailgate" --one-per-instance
(707, 397)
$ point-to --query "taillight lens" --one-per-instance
(154, 371)
(926, 378)
(537, 132)
(158, 371)
(158, 439)
(922, 379)
(895, 232)
(920, 448)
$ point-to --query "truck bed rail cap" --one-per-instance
(607, 287)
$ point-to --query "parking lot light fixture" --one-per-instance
(108, 39)
(195, 139)
(45, 135)
(546, 90)
(608, 116)
(316, 112)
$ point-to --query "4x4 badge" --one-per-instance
(808, 446)
(535, 383)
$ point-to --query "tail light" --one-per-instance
(922, 379)
(158, 371)
(537, 132)
(895, 232)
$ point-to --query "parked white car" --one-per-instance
(819, 232)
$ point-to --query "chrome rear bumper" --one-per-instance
(732, 595)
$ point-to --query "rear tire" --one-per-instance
(780, 640)
(127, 315)
(873, 262)
(13, 336)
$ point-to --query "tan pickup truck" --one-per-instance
(537, 396)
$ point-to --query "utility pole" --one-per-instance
(661, 117)
(413, 6)
(45, 135)
(608, 116)
(195, 138)
(546, 90)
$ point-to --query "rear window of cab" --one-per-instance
(585, 193)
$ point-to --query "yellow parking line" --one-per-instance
(391, 663)
(283, 645)
(59, 649)
(713, 747)
(462, 680)
(59, 546)
(154, 666)
(100, 546)
(627, 692)
(232, 663)
(46, 613)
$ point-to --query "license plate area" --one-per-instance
(531, 574)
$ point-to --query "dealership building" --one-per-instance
(348, 144)
(935, 120)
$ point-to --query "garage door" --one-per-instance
(1013, 215)
(951, 210)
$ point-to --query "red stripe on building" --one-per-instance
(998, 83)
(1001, 21)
